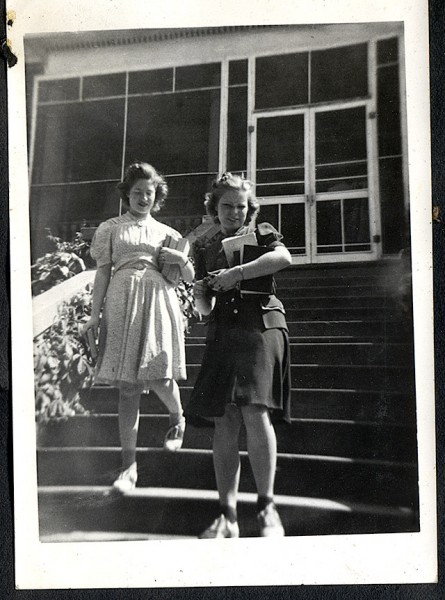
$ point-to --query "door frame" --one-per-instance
(372, 192)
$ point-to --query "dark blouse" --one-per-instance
(232, 310)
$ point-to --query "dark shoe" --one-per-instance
(221, 528)
(269, 522)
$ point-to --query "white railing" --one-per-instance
(45, 306)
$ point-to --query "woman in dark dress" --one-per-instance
(245, 375)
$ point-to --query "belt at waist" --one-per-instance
(135, 261)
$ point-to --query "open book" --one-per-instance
(173, 272)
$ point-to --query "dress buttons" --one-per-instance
(232, 300)
(235, 311)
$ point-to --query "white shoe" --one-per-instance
(174, 437)
(127, 479)
(221, 528)
(269, 522)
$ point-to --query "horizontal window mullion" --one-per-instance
(71, 183)
(345, 177)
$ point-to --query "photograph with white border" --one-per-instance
(324, 110)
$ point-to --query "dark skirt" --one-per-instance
(243, 366)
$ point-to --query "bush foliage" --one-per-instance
(67, 260)
(62, 361)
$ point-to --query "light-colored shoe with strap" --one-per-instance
(269, 522)
(221, 528)
(127, 480)
(174, 437)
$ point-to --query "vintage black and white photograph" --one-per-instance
(221, 279)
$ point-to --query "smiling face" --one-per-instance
(141, 197)
(232, 210)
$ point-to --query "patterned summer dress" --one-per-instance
(141, 332)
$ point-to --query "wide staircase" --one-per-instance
(346, 464)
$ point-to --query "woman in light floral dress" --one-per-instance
(141, 333)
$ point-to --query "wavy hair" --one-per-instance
(142, 170)
(225, 183)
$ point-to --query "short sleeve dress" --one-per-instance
(247, 354)
(141, 336)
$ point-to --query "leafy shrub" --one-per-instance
(184, 291)
(62, 361)
(68, 259)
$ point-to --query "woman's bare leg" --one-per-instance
(226, 458)
(129, 401)
(261, 447)
(168, 392)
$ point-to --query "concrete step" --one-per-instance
(303, 436)
(342, 312)
(346, 404)
(357, 329)
(341, 272)
(334, 353)
(350, 479)
(340, 376)
(333, 302)
(302, 289)
(85, 513)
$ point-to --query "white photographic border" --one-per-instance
(308, 560)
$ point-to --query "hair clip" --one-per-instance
(225, 177)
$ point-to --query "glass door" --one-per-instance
(342, 216)
(314, 182)
(282, 177)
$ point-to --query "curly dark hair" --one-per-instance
(224, 183)
(142, 170)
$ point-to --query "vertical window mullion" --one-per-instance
(371, 132)
(223, 116)
(309, 76)
(251, 122)
(35, 108)
(124, 140)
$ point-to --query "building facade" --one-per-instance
(314, 115)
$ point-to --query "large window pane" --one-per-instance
(293, 227)
(186, 194)
(79, 142)
(280, 155)
(99, 86)
(394, 226)
(339, 73)
(269, 214)
(178, 133)
(64, 208)
(341, 150)
(198, 76)
(329, 229)
(281, 80)
(237, 129)
(237, 72)
(59, 90)
(148, 82)
(388, 110)
(387, 51)
(356, 221)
